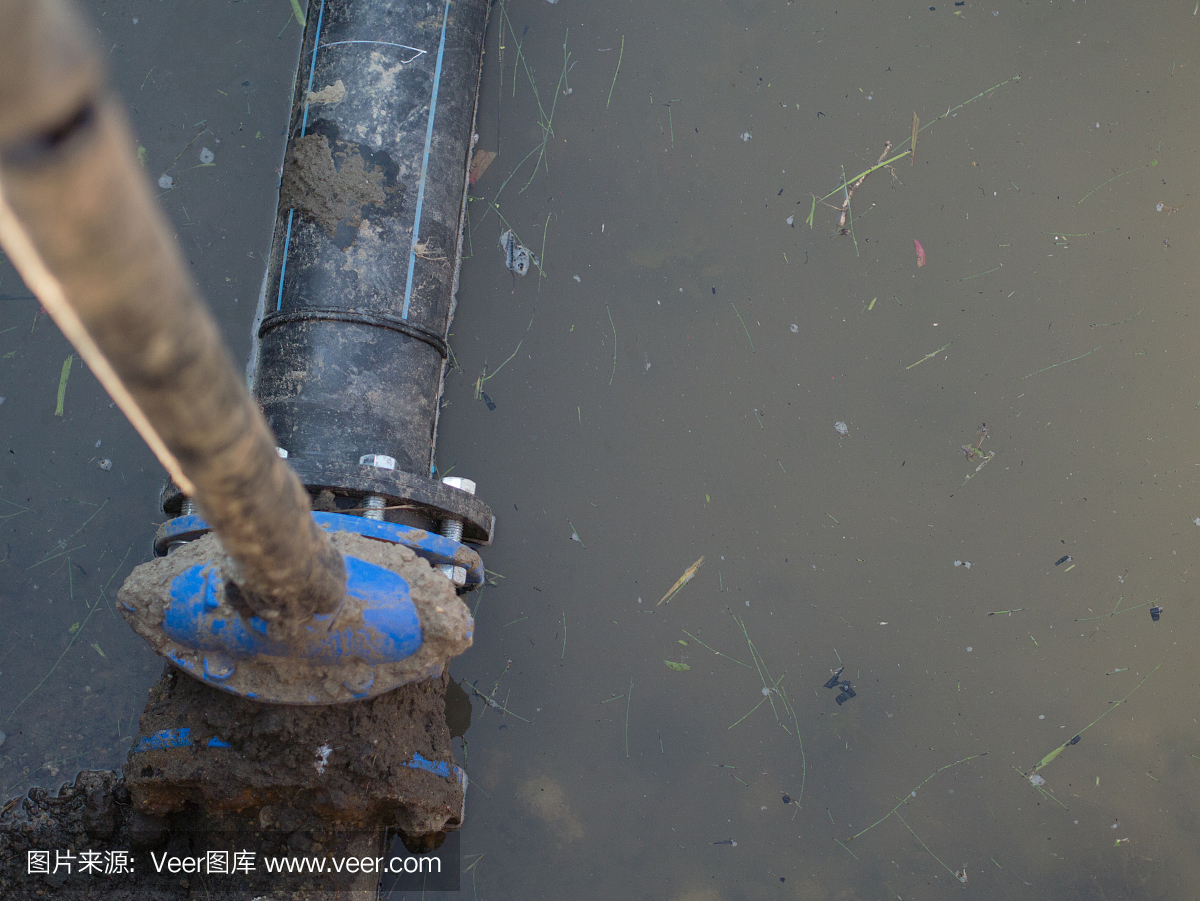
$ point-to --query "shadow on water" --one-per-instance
(667, 386)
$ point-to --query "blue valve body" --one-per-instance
(390, 629)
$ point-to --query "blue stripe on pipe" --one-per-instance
(283, 266)
(312, 71)
(437, 77)
(312, 67)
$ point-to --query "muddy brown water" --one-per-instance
(669, 389)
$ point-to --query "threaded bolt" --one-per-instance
(375, 504)
(453, 529)
(374, 507)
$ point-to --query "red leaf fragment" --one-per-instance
(479, 164)
(920, 253)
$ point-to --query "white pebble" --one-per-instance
(796, 328)
(841, 428)
(206, 156)
(791, 219)
(166, 182)
(969, 649)
(1041, 716)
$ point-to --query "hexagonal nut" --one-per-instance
(379, 461)
(460, 483)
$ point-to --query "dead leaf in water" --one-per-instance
(479, 164)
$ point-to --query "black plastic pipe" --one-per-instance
(352, 339)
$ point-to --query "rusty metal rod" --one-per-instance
(80, 223)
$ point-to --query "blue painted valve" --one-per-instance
(400, 622)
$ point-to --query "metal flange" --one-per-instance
(437, 549)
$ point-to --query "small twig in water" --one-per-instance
(934, 354)
(743, 322)
(1072, 360)
(614, 331)
(620, 56)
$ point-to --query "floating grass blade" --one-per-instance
(614, 331)
(62, 384)
(1050, 757)
(1062, 363)
(927, 356)
(628, 701)
(681, 581)
(620, 57)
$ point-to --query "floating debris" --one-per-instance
(479, 164)
(836, 681)
(682, 580)
(841, 428)
(206, 156)
(1155, 613)
(920, 253)
(106, 464)
(516, 256)
(1062, 560)
(166, 182)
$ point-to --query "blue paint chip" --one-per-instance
(215, 742)
(436, 767)
(163, 740)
